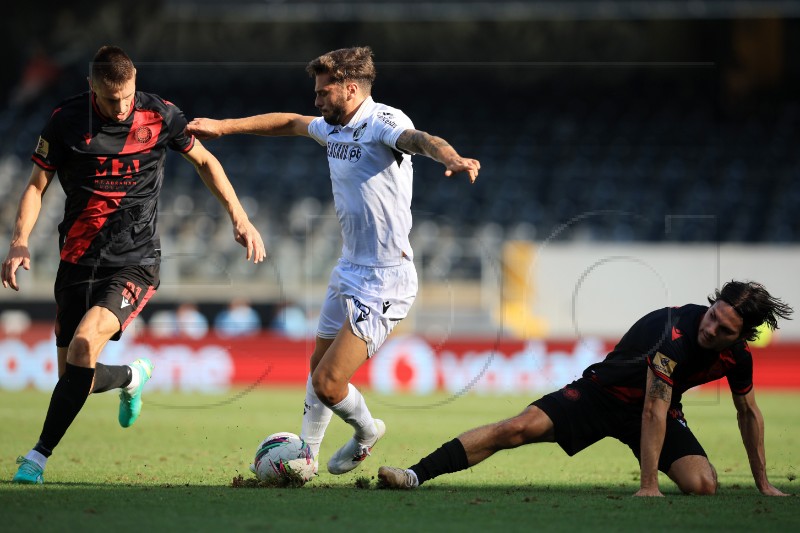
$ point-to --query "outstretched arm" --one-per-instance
(751, 426)
(419, 142)
(29, 206)
(657, 398)
(213, 175)
(270, 124)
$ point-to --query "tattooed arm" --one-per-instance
(657, 398)
(419, 142)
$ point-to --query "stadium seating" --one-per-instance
(560, 161)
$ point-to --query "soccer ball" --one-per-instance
(283, 456)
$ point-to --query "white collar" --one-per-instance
(366, 105)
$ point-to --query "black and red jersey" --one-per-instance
(112, 173)
(666, 341)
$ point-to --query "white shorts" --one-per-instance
(372, 299)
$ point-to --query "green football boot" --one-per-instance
(130, 404)
(28, 472)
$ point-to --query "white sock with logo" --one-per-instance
(316, 417)
(353, 410)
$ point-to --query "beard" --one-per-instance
(335, 112)
(334, 118)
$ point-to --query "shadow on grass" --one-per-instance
(66, 506)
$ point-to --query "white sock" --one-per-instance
(136, 378)
(37, 458)
(353, 410)
(316, 417)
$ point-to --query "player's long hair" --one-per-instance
(112, 66)
(754, 304)
(346, 64)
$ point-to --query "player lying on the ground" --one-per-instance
(634, 395)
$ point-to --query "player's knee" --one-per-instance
(328, 388)
(80, 350)
(511, 433)
(704, 486)
(525, 428)
(700, 484)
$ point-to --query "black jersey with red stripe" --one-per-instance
(112, 173)
(666, 341)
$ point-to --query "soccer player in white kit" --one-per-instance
(369, 147)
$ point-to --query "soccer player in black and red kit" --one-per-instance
(634, 395)
(108, 147)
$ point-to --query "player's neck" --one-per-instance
(346, 118)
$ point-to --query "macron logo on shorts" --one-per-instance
(364, 310)
(125, 303)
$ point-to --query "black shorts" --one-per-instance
(582, 414)
(122, 290)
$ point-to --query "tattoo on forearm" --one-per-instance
(660, 390)
(421, 143)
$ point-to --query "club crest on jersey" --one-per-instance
(42, 147)
(663, 364)
(571, 394)
(359, 132)
(143, 134)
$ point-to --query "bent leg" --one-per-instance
(331, 376)
(331, 382)
(476, 445)
(93, 333)
(75, 384)
(532, 425)
(694, 474)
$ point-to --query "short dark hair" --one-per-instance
(754, 304)
(346, 64)
(112, 66)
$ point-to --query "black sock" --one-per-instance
(451, 457)
(68, 398)
(108, 377)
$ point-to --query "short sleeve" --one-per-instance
(178, 139)
(50, 151)
(318, 129)
(666, 362)
(740, 375)
(389, 125)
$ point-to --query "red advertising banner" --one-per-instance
(406, 364)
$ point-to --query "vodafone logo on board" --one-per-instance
(409, 364)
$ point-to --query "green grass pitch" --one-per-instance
(173, 471)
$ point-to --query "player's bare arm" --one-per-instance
(28, 212)
(751, 426)
(268, 124)
(420, 142)
(658, 396)
(213, 175)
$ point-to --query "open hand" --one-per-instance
(463, 164)
(17, 256)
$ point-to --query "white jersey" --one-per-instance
(372, 183)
